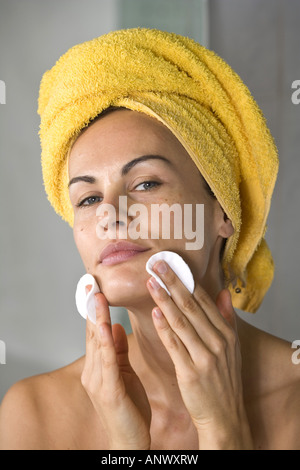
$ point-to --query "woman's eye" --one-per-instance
(147, 185)
(89, 201)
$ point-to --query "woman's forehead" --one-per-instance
(125, 134)
(125, 122)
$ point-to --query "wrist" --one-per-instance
(220, 437)
(115, 445)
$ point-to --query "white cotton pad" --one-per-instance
(177, 264)
(85, 303)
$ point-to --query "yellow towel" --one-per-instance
(204, 103)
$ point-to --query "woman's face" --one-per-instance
(105, 163)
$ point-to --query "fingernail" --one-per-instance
(87, 289)
(154, 284)
(157, 313)
(161, 267)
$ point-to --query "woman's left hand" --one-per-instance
(202, 340)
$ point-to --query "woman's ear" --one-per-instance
(226, 228)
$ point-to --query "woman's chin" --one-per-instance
(125, 292)
(126, 299)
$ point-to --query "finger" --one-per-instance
(98, 341)
(110, 371)
(214, 338)
(179, 354)
(121, 345)
(102, 310)
(190, 304)
(225, 307)
(120, 339)
(177, 318)
(90, 341)
(183, 299)
(215, 331)
(224, 304)
(102, 316)
(189, 307)
(88, 288)
(175, 326)
(91, 375)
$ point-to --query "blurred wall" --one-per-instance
(260, 39)
(39, 264)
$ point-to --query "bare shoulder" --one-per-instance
(280, 356)
(286, 396)
(34, 408)
(279, 359)
(272, 384)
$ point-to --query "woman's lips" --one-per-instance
(119, 256)
(117, 252)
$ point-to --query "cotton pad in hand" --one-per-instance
(85, 303)
(177, 264)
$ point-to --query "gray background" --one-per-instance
(39, 264)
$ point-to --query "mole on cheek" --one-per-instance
(81, 229)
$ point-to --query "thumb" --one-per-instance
(224, 304)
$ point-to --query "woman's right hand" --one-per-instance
(114, 388)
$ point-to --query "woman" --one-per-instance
(192, 375)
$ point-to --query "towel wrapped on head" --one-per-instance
(207, 107)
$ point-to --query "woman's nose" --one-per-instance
(113, 219)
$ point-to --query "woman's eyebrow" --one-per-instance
(85, 179)
(126, 168)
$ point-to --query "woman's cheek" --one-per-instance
(83, 240)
